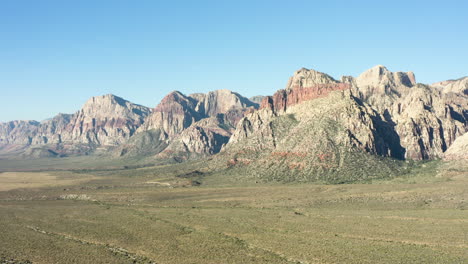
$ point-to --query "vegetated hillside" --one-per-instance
(333, 139)
(357, 129)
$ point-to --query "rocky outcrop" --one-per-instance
(312, 140)
(453, 86)
(103, 121)
(304, 85)
(321, 129)
(220, 102)
(172, 115)
(426, 120)
(383, 113)
(198, 124)
(285, 98)
(458, 150)
(203, 138)
(18, 132)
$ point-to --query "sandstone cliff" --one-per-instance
(103, 121)
(453, 86)
(426, 119)
(458, 150)
(191, 126)
(318, 126)
(314, 140)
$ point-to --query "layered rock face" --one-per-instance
(203, 138)
(304, 85)
(318, 124)
(380, 112)
(103, 121)
(220, 102)
(426, 119)
(318, 139)
(18, 132)
(195, 125)
(111, 122)
(453, 86)
(175, 113)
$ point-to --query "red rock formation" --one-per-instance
(296, 95)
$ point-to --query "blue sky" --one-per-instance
(54, 55)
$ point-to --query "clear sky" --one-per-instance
(54, 55)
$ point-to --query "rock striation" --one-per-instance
(315, 120)
(426, 120)
(106, 120)
(318, 125)
(190, 126)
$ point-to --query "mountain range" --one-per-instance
(315, 126)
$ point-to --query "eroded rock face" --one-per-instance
(407, 120)
(203, 138)
(426, 119)
(453, 86)
(458, 150)
(195, 125)
(220, 102)
(18, 132)
(103, 121)
(175, 113)
(304, 85)
(292, 96)
(313, 139)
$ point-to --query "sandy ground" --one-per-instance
(20, 180)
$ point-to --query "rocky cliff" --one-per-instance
(380, 113)
(318, 126)
(103, 121)
(458, 150)
(453, 86)
(317, 139)
(426, 119)
(191, 126)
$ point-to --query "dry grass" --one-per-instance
(147, 215)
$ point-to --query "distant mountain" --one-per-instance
(316, 128)
(454, 86)
(103, 121)
(191, 126)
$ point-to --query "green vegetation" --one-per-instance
(158, 215)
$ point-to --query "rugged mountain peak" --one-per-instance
(112, 106)
(172, 115)
(304, 85)
(308, 78)
(453, 86)
(380, 76)
(175, 99)
(221, 101)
